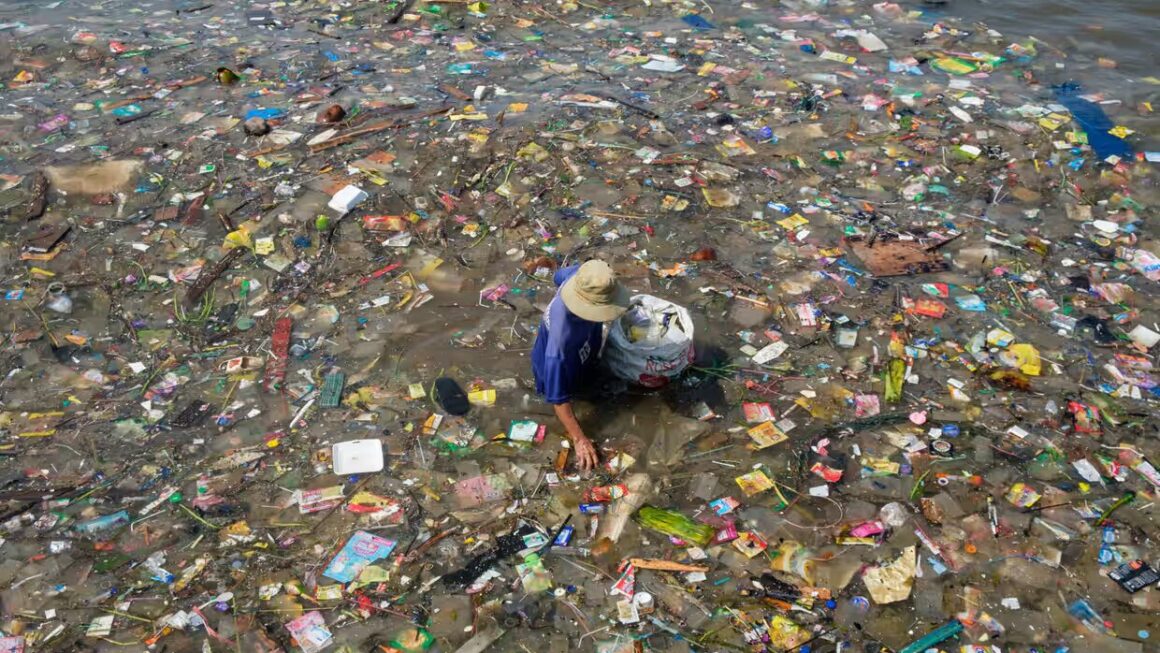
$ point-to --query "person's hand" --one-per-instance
(586, 457)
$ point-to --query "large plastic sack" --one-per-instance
(650, 344)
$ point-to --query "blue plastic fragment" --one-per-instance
(1093, 120)
(696, 22)
(126, 111)
(936, 636)
(265, 114)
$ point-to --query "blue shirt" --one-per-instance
(566, 348)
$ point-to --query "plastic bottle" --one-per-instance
(104, 523)
(605, 493)
(893, 514)
(639, 489)
(153, 564)
(533, 576)
(1147, 600)
(59, 302)
(934, 637)
(975, 259)
(793, 558)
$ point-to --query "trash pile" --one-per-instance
(272, 272)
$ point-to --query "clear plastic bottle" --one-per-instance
(1147, 600)
(893, 514)
(153, 564)
(60, 303)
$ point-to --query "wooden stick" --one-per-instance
(182, 83)
(210, 275)
(609, 214)
(319, 32)
(665, 565)
(652, 115)
(399, 11)
(454, 92)
(419, 550)
(39, 201)
(544, 12)
(124, 103)
(264, 151)
(373, 128)
(124, 120)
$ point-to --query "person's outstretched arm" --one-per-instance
(586, 457)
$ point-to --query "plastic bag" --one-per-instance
(650, 344)
(673, 523)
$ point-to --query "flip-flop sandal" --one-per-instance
(451, 397)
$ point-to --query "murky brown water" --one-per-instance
(691, 461)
